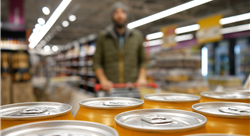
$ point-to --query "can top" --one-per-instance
(238, 95)
(160, 120)
(33, 110)
(60, 128)
(111, 103)
(172, 97)
(213, 135)
(223, 109)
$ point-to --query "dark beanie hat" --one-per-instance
(119, 5)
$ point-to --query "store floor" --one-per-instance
(76, 97)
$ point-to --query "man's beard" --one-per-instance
(119, 25)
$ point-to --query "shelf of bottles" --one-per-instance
(15, 64)
(13, 44)
(76, 61)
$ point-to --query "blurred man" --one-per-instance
(119, 56)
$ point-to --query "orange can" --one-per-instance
(225, 117)
(159, 122)
(230, 96)
(170, 101)
(104, 109)
(21, 113)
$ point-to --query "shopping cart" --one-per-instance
(127, 90)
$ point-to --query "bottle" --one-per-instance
(16, 74)
(24, 66)
(4, 67)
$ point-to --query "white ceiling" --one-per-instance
(94, 15)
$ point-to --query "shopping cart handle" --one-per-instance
(154, 85)
(123, 85)
(97, 87)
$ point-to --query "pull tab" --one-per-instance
(116, 103)
(34, 110)
(156, 119)
(234, 110)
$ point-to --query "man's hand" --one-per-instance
(106, 85)
(142, 77)
(141, 82)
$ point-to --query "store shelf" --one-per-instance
(73, 62)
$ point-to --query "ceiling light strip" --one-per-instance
(189, 28)
(234, 19)
(186, 37)
(235, 29)
(166, 13)
(154, 35)
(195, 27)
(56, 14)
(179, 38)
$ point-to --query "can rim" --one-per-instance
(34, 117)
(87, 123)
(160, 130)
(174, 101)
(140, 103)
(212, 134)
(218, 115)
(203, 94)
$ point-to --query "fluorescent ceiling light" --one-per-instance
(54, 48)
(196, 27)
(47, 38)
(39, 47)
(184, 37)
(91, 37)
(166, 13)
(65, 23)
(30, 39)
(51, 35)
(82, 40)
(41, 21)
(63, 5)
(236, 18)
(177, 31)
(72, 18)
(38, 26)
(204, 61)
(43, 42)
(191, 36)
(177, 39)
(45, 10)
(35, 30)
(58, 28)
(235, 29)
(237, 49)
(154, 35)
(47, 48)
(153, 42)
(186, 29)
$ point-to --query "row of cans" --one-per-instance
(157, 115)
(78, 128)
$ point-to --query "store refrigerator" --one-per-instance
(210, 58)
(222, 60)
(242, 58)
